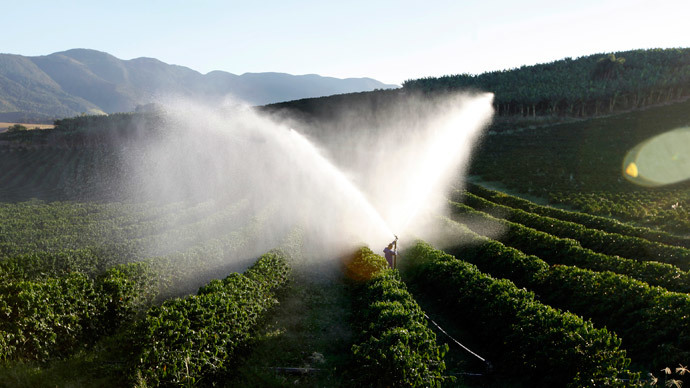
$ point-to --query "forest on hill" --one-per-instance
(586, 86)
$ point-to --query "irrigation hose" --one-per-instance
(458, 342)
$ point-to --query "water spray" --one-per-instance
(231, 152)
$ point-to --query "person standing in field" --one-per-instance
(391, 251)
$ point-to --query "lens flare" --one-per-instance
(661, 160)
(632, 170)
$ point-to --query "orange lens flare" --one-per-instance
(631, 170)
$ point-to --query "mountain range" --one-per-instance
(77, 81)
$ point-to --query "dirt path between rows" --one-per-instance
(310, 329)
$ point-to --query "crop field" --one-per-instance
(98, 290)
(580, 164)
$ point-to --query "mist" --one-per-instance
(355, 180)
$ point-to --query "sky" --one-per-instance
(391, 41)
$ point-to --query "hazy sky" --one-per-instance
(387, 40)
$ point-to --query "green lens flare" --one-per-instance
(662, 160)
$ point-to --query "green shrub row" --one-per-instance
(87, 248)
(651, 321)
(665, 209)
(43, 320)
(186, 340)
(32, 226)
(607, 243)
(555, 250)
(520, 336)
(588, 220)
(40, 265)
(32, 311)
(394, 347)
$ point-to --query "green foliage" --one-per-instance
(17, 128)
(41, 264)
(41, 320)
(585, 86)
(567, 251)
(363, 265)
(650, 320)
(394, 347)
(51, 318)
(590, 221)
(187, 340)
(519, 334)
(667, 209)
(126, 290)
(608, 67)
(582, 159)
(652, 262)
(63, 262)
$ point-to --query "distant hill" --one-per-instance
(80, 80)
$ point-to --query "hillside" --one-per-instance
(71, 82)
(587, 86)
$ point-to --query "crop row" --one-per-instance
(41, 320)
(652, 321)
(88, 249)
(394, 346)
(588, 220)
(56, 174)
(667, 210)
(555, 250)
(30, 227)
(608, 243)
(31, 325)
(521, 336)
(189, 339)
(185, 270)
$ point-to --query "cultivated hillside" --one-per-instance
(109, 280)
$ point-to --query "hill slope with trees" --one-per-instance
(586, 86)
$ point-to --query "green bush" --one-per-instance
(52, 317)
(393, 347)
(567, 251)
(522, 336)
(363, 265)
(188, 339)
(650, 319)
(17, 128)
(48, 319)
(607, 243)
(595, 222)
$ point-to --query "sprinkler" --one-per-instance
(395, 248)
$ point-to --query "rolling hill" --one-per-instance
(71, 82)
